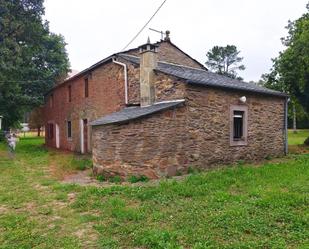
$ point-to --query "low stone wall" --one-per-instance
(152, 146)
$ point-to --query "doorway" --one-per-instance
(84, 135)
(57, 137)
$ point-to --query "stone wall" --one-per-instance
(152, 146)
(196, 135)
(209, 126)
(170, 53)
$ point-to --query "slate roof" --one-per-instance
(136, 112)
(206, 78)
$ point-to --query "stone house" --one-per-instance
(155, 111)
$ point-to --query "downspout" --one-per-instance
(125, 79)
(286, 126)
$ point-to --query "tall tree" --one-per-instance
(290, 70)
(225, 60)
(36, 119)
(31, 58)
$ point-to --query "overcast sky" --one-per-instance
(95, 29)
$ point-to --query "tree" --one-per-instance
(290, 70)
(225, 60)
(31, 58)
(36, 119)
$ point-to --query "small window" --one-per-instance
(50, 131)
(70, 93)
(51, 100)
(239, 123)
(86, 88)
(69, 129)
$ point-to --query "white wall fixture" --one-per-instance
(1, 122)
(243, 99)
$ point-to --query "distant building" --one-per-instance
(156, 111)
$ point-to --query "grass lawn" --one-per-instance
(297, 138)
(237, 207)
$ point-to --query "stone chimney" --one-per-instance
(148, 62)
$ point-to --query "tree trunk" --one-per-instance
(39, 131)
(294, 119)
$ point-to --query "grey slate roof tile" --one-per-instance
(206, 78)
(136, 112)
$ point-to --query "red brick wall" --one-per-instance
(106, 95)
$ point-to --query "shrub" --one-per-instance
(101, 178)
(115, 179)
(142, 178)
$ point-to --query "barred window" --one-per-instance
(69, 129)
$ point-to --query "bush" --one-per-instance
(101, 178)
(307, 141)
(142, 178)
(115, 179)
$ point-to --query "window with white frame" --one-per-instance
(239, 125)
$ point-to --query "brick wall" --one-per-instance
(106, 95)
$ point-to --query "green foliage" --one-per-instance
(141, 178)
(115, 179)
(32, 58)
(101, 178)
(81, 163)
(290, 71)
(225, 60)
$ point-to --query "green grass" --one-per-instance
(237, 207)
(297, 138)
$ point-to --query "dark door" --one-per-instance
(85, 121)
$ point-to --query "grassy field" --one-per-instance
(297, 138)
(237, 207)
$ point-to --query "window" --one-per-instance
(50, 131)
(70, 93)
(69, 129)
(51, 100)
(86, 88)
(238, 129)
(238, 125)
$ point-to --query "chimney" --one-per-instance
(148, 62)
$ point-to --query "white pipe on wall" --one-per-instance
(1, 122)
(125, 79)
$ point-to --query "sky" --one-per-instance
(95, 29)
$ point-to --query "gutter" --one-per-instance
(125, 79)
(286, 125)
